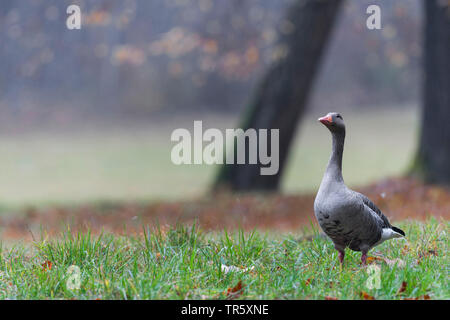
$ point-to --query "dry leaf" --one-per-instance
(400, 263)
(366, 296)
(330, 298)
(235, 292)
(432, 252)
(426, 254)
(373, 259)
(405, 249)
(402, 288)
(47, 265)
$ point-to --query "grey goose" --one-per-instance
(348, 218)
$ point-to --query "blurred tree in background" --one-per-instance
(433, 158)
(138, 57)
(280, 100)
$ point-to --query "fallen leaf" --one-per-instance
(373, 259)
(330, 298)
(307, 282)
(400, 263)
(47, 265)
(426, 254)
(402, 288)
(366, 296)
(235, 292)
(405, 249)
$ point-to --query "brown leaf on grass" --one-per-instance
(373, 259)
(405, 249)
(47, 265)
(402, 288)
(308, 282)
(400, 263)
(235, 292)
(179, 292)
(366, 296)
(426, 254)
(330, 298)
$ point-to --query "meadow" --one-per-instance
(47, 175)
(186, 263)
(131, 162)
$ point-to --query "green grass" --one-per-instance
(185, 263)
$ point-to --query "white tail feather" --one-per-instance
(388, 233)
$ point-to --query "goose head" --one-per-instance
(334, 122)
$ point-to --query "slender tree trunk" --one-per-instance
(281, 97)
(433, 158)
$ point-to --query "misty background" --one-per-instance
(139, 58)
(87, 114)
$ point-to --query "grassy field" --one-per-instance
(132, 162)
(184, 263)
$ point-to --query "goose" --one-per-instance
(348, 218)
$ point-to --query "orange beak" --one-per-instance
(326, 120)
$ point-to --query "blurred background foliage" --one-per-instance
(138, 58)
(86, 115)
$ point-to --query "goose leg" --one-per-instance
(341, 256)
(341, 251)
(364, 258)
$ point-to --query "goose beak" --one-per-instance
(326, 120)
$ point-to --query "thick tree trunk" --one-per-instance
(280, 99)
(433, 158)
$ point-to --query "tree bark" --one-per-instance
(281, 97)
(432, 162)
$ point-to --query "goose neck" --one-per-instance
(335, 164)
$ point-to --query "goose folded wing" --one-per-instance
(367, 202)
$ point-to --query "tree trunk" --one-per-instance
(432, 162)
(281, 97)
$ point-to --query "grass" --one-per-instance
(132, 163)
(186, 263)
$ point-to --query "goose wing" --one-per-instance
(367, 202)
